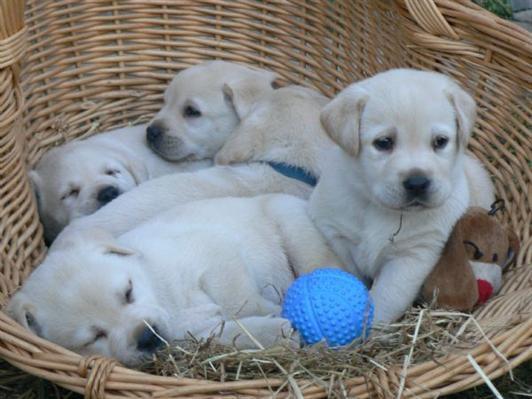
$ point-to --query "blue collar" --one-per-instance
(294, 172)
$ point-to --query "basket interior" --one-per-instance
(91, 66)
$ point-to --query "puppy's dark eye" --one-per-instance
(440, 142)
(128, 296)
(72, 193)
(495, 258)
(191, 112)
(384, 143)
(112, 172)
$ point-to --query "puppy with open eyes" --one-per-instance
(187, 270)
(78, 178)
(403, 180)
(279, 145)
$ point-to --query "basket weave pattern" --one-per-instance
(69, 68)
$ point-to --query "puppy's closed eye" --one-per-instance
(72, 193)
(32, 324)
(98, 335)
(128, 294)
(112, 172)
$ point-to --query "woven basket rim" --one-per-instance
(49, 360)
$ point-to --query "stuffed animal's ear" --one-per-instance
(341, 118)
(452, 282)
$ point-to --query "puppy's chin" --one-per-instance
(401, 202)
(416, 205)
(135, 359)
(175, 150)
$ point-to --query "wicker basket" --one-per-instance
(69, 67)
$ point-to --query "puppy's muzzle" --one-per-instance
(148, 340)
(154, 133)
(169, 147)
(416, 186)
(107, 194)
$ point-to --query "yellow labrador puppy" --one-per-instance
(389, 202)
(187, 270)
(196, 118)
(77, 178)
(80, 177)
(279, 145)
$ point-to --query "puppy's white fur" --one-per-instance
(68, 178)
(197, 118)
(360, 203)
(280, 125)
(186, 270)
(88, 165)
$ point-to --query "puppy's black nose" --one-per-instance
(153, 132)
(416, 185)
(148, 341)
(107, 194)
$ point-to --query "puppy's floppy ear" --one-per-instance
(465, 109)
(243, 94)
(36, 182)
(108, 242)
(21, 310)
(137, 168)
(98, 237)
(341, 118)
(264, 75)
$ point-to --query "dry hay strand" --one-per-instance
(423, 334)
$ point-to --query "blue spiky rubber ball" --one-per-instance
(329, 304)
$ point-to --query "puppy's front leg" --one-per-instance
(196, 319)
(253, 332)
(398, 284)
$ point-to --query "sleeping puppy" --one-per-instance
(187, 270)
(278, 146)
(402, 182)
(80, 177)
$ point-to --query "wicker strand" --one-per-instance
(97, 370)
(429, 17)
(91, 66)
(12, 49)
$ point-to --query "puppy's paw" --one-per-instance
(199, 320)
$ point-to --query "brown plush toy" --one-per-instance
(470, 268)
